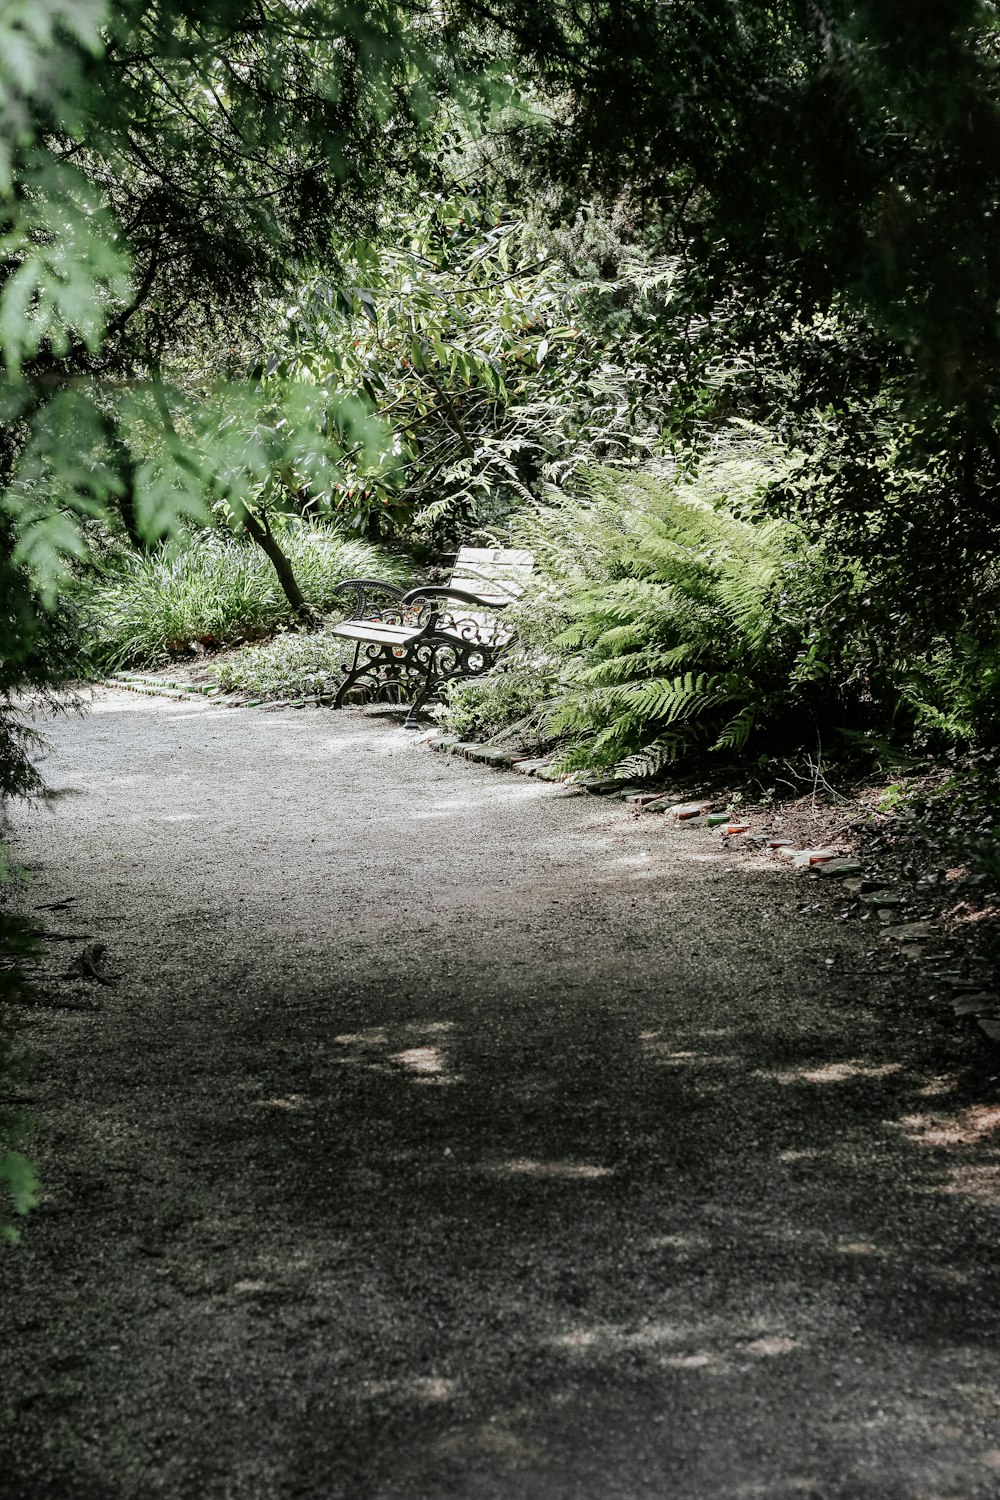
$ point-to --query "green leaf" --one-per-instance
(18, 1177)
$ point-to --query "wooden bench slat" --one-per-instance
(371, 630)
(512, 558)
(496, 574)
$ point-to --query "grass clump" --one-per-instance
(215, 589)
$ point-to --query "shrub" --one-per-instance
(289, 666)
(689, 620)
(213, 588)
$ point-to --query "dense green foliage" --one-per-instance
(827, 176)
(210, 589)
(669, 616)
(468, 342)
(674, 615)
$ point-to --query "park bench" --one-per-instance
(409, 643)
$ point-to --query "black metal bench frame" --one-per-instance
(412, 643)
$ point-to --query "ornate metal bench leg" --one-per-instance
(449, 663)
(427, 690)
(412, 721)
(345, 687)
(348, 681)
(369, 666)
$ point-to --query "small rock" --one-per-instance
(985, 1003)
(911, 932)
(682, 811)
(991, 1026)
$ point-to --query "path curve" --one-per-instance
(449, 1139)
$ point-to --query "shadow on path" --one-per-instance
(448, 1139)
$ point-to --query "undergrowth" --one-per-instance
(674, 617)
(213, 589)
(291, 665)
(669, 616)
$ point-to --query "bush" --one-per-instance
(289, 666)
(689, 620)
(213, 588)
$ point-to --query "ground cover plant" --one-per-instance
(209, 589)
(292, 665)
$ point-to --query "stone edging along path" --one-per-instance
(971, 999)
(165, 687)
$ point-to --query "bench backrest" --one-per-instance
(495, 574)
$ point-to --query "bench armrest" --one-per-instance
(358, 594)
(454, 614)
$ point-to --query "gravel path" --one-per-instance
(448, 1137)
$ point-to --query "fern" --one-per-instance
(736, 734)
(677, 618)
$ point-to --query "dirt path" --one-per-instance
(445, 1137)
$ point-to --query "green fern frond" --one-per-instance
(651, 759)
(614, 670)
(670, 699)
(736, 734)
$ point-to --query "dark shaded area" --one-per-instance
(446, 1138)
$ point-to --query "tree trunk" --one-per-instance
(266, 540)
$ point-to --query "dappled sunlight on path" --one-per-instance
(449, 1140)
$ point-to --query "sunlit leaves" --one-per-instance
(462, 334)
(66, 271)
(40, 46)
